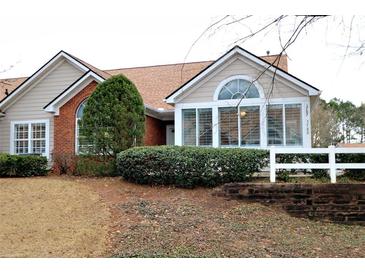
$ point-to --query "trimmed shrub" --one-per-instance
(22, 165)
(114, 118)
(95, 166)
(189, 166)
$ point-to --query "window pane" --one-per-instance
(293, 125)
(224, 94)
(275, 125)
(189, 127)
(21, 147)
(39, 131)
(250, 125)
(228, 126)
(235, 89)
(21, 131)
(38, 146)
(80, 110)
(205, 126)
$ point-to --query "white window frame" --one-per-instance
(238, 77)
(29, 122)
(197, 124)
(262, 102)
(77, 152)
(302, 106)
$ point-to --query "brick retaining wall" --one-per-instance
(344, 203)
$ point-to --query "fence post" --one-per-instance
(332, 163)
(272, 165)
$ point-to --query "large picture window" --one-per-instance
(228, 126)
(30, 137)
(243, 125)
(284, 125)
(250, 126)
(197, 127)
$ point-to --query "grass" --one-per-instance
(83, 217)
(170, 222)
(51, 217)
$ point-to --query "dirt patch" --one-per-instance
(51, 217)
(169, 222)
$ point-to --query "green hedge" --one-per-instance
(22, 165)
(189, 166)
(95, 166)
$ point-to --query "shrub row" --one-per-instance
(189, 166)
(22, 165)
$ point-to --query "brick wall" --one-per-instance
(344, 203)
(64, 125)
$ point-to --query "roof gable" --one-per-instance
(44, 70)
(246, 54)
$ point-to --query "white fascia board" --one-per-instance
(56, 104)
(311, 91)
(28, 82)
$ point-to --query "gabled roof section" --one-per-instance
(62, 55)
(260, 61)
(58, 101)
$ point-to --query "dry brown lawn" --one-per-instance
(81, 217)
(51, 217)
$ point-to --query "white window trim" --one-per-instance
(77, 127)
(29, 122)
(197, 124)
(238, 77)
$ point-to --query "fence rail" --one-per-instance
(331, 165)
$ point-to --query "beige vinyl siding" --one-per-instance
(30, 105)
(204, 91)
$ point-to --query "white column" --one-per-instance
(332, 162)
(215, 125)
(263, 125)
(178, 126)
(307, 142)
(272, 165)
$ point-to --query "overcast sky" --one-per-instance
(114, 36)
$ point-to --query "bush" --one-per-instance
(22, 165)
(64, 163)
(84, 165)
(356, 174)
(114, 118)
(189, 166)
(95, 166)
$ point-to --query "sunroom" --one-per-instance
(241, 100)
(240, 115)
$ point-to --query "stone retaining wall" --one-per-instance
(344, 203)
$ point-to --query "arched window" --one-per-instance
(238, 88)
(82, 144)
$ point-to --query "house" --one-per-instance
(186, 104)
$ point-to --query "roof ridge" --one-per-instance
(150, 66)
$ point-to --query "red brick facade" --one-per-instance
(155, 133)
(65, 123)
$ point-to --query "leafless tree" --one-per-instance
(288, 28)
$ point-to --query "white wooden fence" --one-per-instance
(331, 165)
